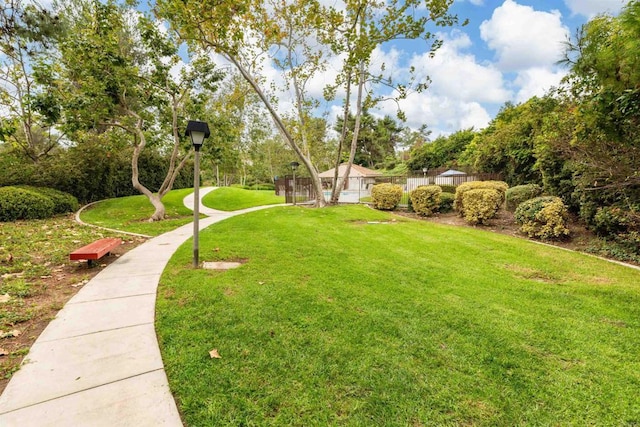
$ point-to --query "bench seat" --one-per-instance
(96, 250)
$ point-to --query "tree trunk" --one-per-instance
(313, 172)
(155, 199)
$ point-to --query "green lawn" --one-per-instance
(233, 199)
(334, 320)
(132, 213)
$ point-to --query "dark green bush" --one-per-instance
(613, 220)
(481, 204)
(386, 196)
(92, 171)
(446, 202)
(448, 188)
(543, 217)
(19, 203)
(425, 199)
(520, 193)
(263, 187)
(63, 202)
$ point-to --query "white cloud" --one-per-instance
(459, 75)
(442, 114)
(523, 37)
(536, 82)
(590, 8)
(460, 84)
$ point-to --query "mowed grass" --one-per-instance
(350, 316)
(233, 199)
(132, 213)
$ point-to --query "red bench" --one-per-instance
(96, 250)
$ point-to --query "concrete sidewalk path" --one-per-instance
(98, 362)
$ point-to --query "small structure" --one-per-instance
(357, 185)
(452, 177)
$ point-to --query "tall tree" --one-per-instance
(115, 72)
(27, 34)
(299, 37)
(605, 83)
(376, 140)
(444, 151)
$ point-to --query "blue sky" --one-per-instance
(507, 52)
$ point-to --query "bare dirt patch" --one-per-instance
(44, 295)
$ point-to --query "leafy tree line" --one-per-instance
(91, 70)
(581, 141)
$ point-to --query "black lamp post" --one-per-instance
(198, 131)
(294, 166)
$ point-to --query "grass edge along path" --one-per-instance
(233, 199)
(131, 213)
(352, 316)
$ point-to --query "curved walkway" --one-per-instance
(98, 362)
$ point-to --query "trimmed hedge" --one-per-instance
(425, 199)
(520, 193)
(446, 202)
(20, 203)
(63, 202)
(481, 204)
(458, 203)
(543, 217)
(263, 187)
(386, 196)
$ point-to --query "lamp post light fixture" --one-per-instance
(424, 172)
(294, 166)
(198, 131)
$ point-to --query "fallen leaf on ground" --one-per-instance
(214, 354)
(5, 298)
(14, 333)
(3, 352)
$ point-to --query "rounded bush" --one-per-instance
(20, 203)
(520, 193)
(448, 188)
(386, 196)
(63, 202)
(446, 202)
(481, 204)
(425, 199)
(543, 217)
(458, 203)
(612, 220)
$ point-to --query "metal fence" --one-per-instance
(358, 189)
(303, 191)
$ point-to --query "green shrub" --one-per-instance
(63, 202)
(20, 203)
(612, 220)
(499, 186)
(425, 199)
(263, 187)
(448, 189)
(543, 217)
(481, 204)
(520, 193)
(386, 196)
(446, 202)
